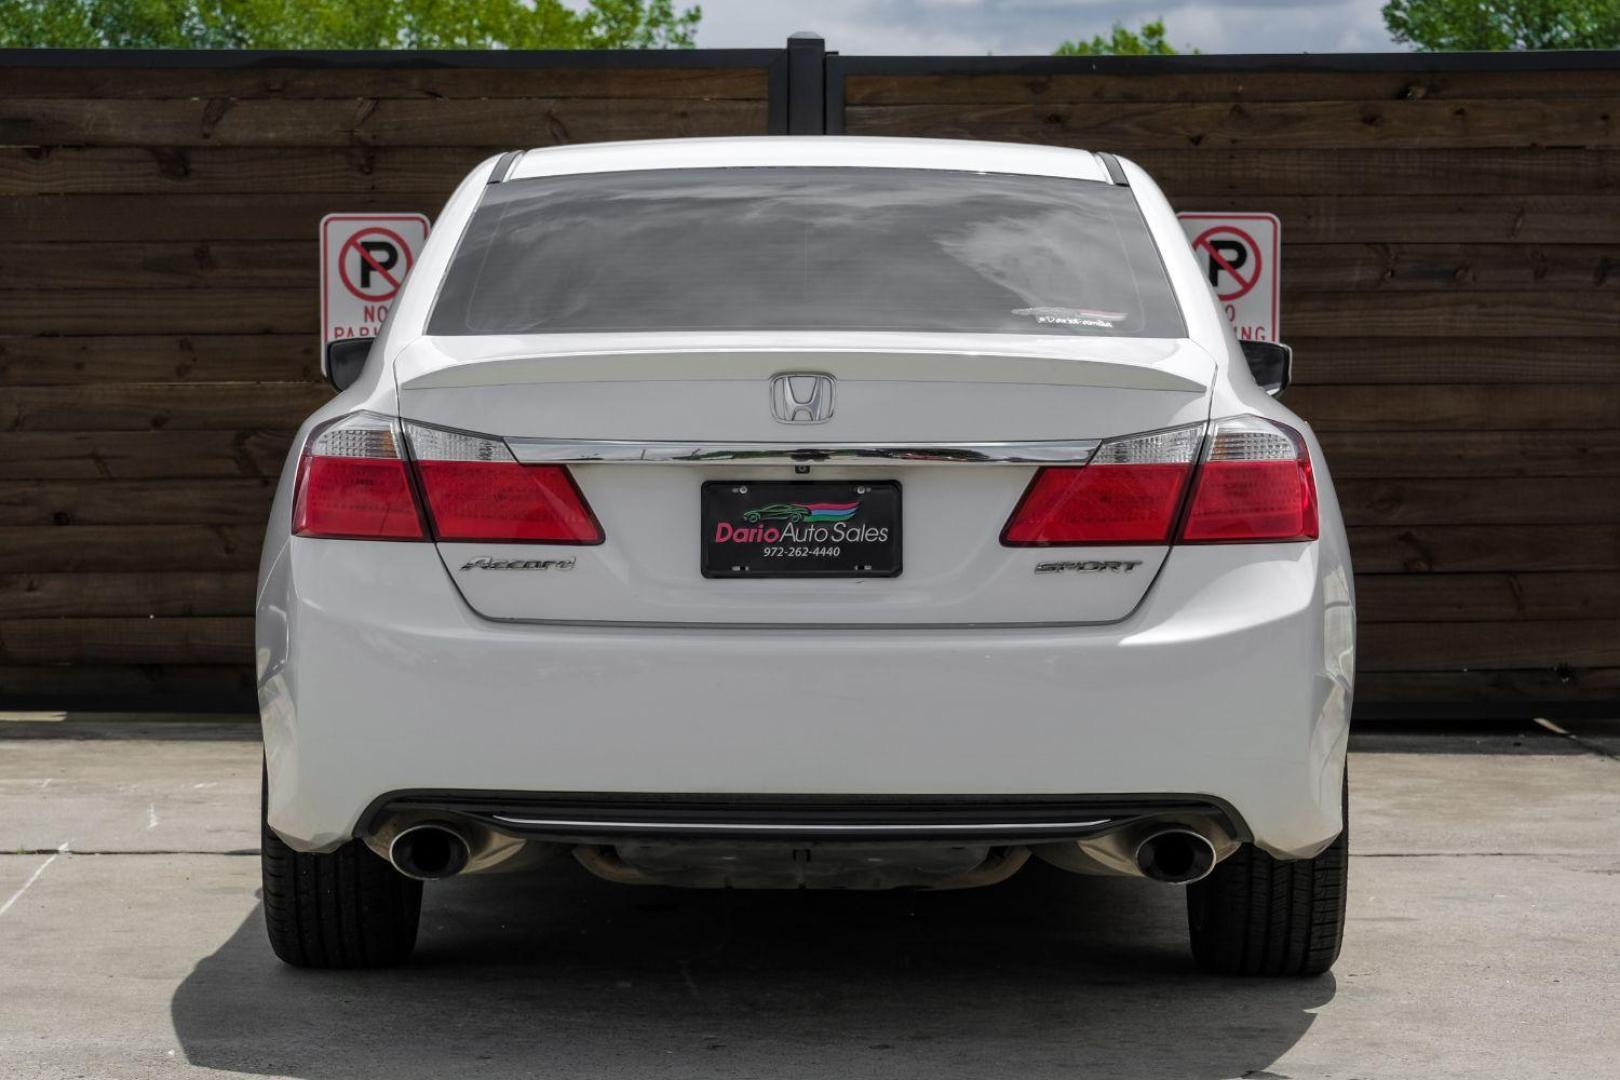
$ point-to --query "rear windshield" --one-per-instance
(807, 249)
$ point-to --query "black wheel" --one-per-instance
(347, 909)
(1257, 915)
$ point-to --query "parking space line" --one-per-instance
(33, 878)
(1589, 747)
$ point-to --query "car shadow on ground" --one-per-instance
(566, 976)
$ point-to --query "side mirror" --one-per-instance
(1271, 363)
(345, 360)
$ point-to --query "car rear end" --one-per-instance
(696, 518)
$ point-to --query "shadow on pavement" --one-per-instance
(567, 976)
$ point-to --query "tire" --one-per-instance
(346, 909)
(1258, 915)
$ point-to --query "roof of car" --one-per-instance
(810, 151)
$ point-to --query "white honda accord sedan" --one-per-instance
(806, 513)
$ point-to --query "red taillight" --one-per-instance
(352, 484)
(1255, 485)
(476, 490)
(1112, 504)
(1129, 493)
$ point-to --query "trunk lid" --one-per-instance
(915, 401)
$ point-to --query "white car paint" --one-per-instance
(1222, 671)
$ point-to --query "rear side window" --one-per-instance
(807, 249)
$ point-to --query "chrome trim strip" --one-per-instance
(638, 452)
(1012, 828)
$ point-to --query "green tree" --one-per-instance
(346, 24)
(1438, 25)
(1148, 41)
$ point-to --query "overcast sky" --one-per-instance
(1031, 27)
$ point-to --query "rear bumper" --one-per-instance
(1232, 681)
(606, 819)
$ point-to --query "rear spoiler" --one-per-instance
(440, 363)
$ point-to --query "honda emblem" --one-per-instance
(802, 399)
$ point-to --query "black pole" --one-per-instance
(806, 81)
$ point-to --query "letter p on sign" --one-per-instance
(364, 260)
(1241, 258)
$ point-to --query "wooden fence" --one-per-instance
(1451, 269)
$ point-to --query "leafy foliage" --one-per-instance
(1435, 25)
(345, 24)
(1148, 41)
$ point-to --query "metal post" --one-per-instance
(806, 82)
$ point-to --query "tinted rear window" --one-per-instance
(807, 249)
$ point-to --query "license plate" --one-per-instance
(803, 528)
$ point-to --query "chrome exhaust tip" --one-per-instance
(1176, 856)
(429, 852)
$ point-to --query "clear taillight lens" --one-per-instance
(353, 484)
(1255, 485)
(1128, 493)
(476, 490)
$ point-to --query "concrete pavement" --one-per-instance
(1484, 940)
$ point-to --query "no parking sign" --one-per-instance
(364, 260)
(1241, 256)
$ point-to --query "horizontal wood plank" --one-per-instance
(1484, 407)
(217, 500)
(165, 406)
(368, 121)
(1439, 501)
(1440, 268)
(200, 640)
(1204, 87)
(385, 81)
(1463, 549)
(194, 218)
(37, 361)
(1427, 219)
(196, 406)
(1326, 361)
(139, 595)
(129, 548)
(1247, 174)
(1517, 269)
(234, 309)
(1307, 219)
(1486, 689)
(142, 455)
(161, 311)
(212, 501)
(1387, 454)
(1430, 170)
(1497, 598)
(268, 264)
(69, 360)
(1365, 501)
(1127, 127)
(1565, 312)
(128, 684)
(1381, 646)
(1501, 597)
(114, 170)
(1462, 646)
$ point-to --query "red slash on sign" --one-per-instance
(1234, 251)
(380, 259)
